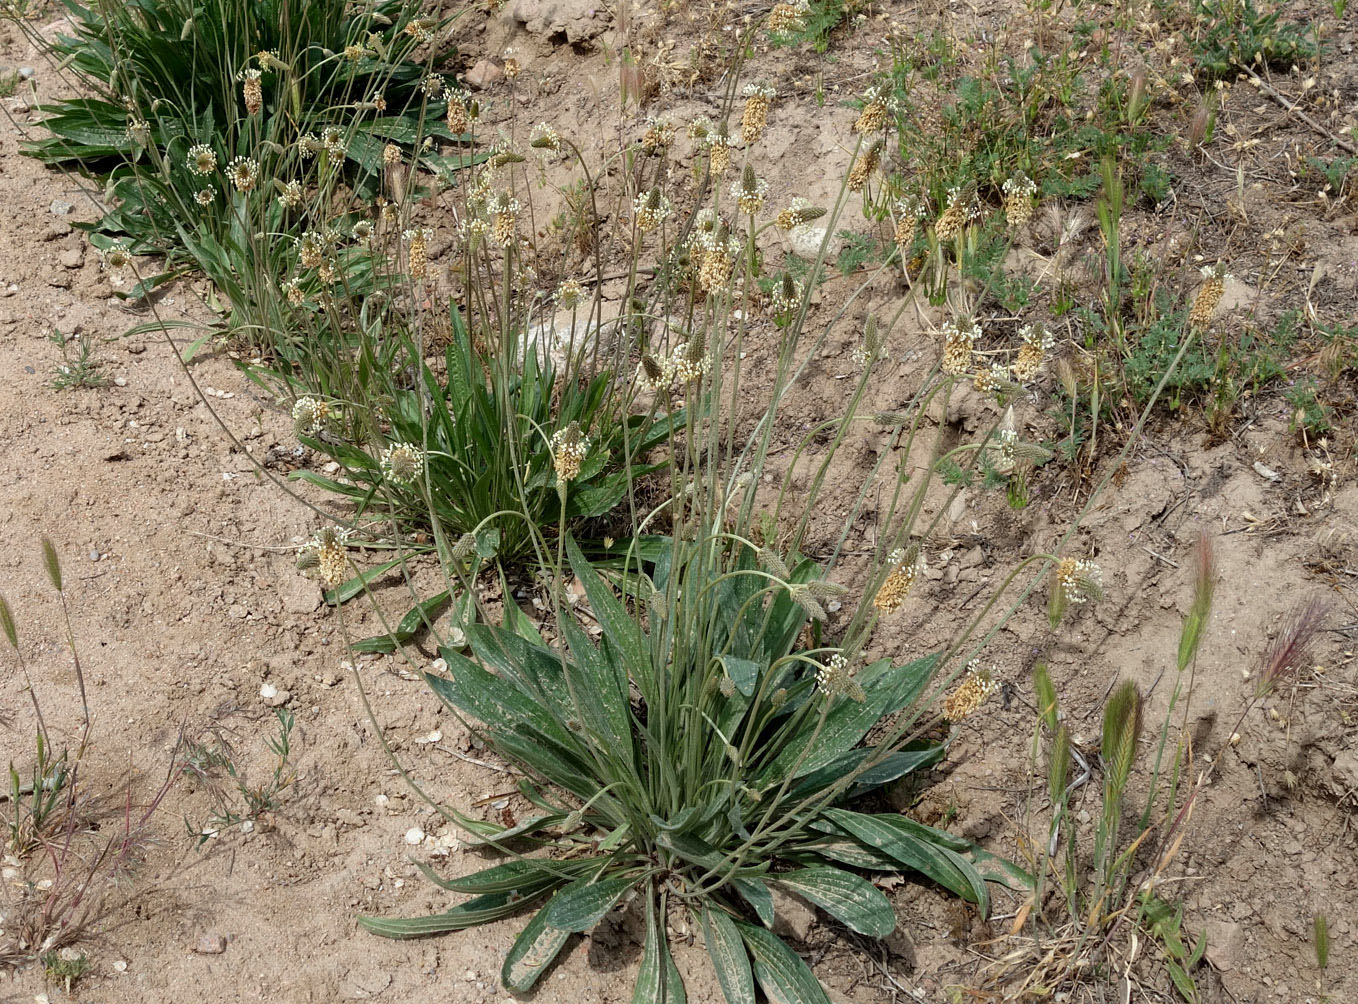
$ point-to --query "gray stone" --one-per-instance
(484, 74)
(792, 916)
(1224, 943)
(1346, 770)
(900, 944)
(210, 944)
(26, 72)
(60, 208)
(578, 20)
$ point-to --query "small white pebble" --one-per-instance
(381, 800)
(120, 966)
(414, 836)
(433, 737)
(268, 691)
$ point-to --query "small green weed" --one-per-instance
(9, 83)
(1235, 34)
(238, 802)
(65, 966)
(78, 366)
(1311, 416)
(823, 17)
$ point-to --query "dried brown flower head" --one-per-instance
(974, 690)
(1209, 296)
(755, 115)
(864, 166)
(905, 572)
(959, 341)
(251, 90)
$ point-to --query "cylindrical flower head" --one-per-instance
(975, 688)
(990, 379)
(504, 215)
(658, 136)
(787, 295)
(1079, 581)
(417, 252)
(650, 210)
(251, 90)
(799, 213)
(789, 18)
(459, 118)
(749, 192)
(719, 153)
(954, 217)
(568, 448)
(905, 572)
(1018, 200)
(332, 562)
(756, 113)
(202, 159)
(1037, 342)
(1211, 291)
(244, 173)
(836, 678)
(569, 294)
(402, 463)
(876, 113)
(864, 166)
(959, 340)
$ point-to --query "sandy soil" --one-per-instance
(185, 602)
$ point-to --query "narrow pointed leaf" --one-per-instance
(854, 902)
(729, 958)
(781, 973)
(533, 951)
(619, 626)
(583, 903)
(473, 913)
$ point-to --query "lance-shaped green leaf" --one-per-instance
(781, 973)
(619, 626)
(532, 952)
(658, 980)
(931, 852)
(583, 903)
(854, 902)
(473, 913)
(729, 958)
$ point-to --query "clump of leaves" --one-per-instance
(725, 777)
(79, 367)
(1238, 35)
(484, 429)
